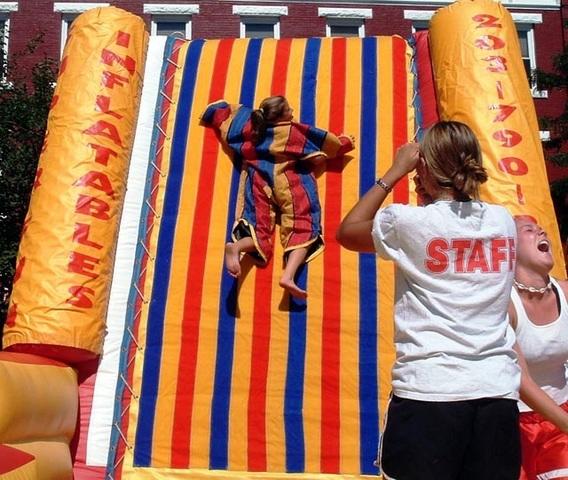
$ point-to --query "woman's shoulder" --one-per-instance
(402, 213)
(494, 207)
(563, 284)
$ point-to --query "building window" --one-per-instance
(171, 19)
(5, 9)
(69, 12)
(420, 19)
(525, 29)
(4, 36)
(259, 21)
(252, 27)
(345, 22)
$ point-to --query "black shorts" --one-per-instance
(464, 440)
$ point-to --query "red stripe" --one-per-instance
(332, 274)
(280, 73)
(29, 359)
(256, 418)
(400, 106)
(78, 445)
(256, 410)
(126, 397)
(181, 434)
(302, 221)
(425, 78)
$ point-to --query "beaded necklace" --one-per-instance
(541, 291)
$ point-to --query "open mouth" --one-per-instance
(543, 246)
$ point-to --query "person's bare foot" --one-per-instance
(232, 259)
(290, 286)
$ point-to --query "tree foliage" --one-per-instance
(25, 97)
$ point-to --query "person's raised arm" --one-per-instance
(354, 232)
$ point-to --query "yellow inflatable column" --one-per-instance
(64, 265)
(481, 80)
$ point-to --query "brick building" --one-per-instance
(540, 25)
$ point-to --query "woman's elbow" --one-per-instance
(349, 238)
(341, 236)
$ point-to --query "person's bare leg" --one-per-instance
(295, 259)
(233, 254)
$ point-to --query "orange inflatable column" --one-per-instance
(65, 260)
(481, 80)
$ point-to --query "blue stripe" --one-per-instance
(311, 189)
(266, 163)
(235, 137)
(294, 393)
(219, 441)
(368, 312)
(156, 313)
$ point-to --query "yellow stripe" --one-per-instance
(131, 473)
(278, 348)
(385, 276)
(281, 317)
(237, 448)
(314, 325)
(174, 311)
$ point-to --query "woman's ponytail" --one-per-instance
(258, 123)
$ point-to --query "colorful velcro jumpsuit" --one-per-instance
(275, 179)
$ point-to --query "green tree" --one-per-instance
(25, 97)
(557, 148)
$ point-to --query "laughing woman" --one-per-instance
(539, 314)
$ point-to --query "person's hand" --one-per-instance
(406, 158)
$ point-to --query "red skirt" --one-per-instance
(544, 448)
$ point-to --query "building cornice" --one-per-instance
(511, 4)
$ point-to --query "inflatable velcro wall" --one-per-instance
(203, 375)
(232, 377)
(480, 80)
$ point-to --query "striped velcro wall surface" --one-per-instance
(232, 375)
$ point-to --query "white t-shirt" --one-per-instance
(455, 266)
(545, 348)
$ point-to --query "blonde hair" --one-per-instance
(453, 157)
(269, 111)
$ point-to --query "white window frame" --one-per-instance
(526, 22)
(259, 14)
(345, 17)
(176, 12)
(419, 18)
(5, 9)
(523, 21)
(510, 4)
(69, 12)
